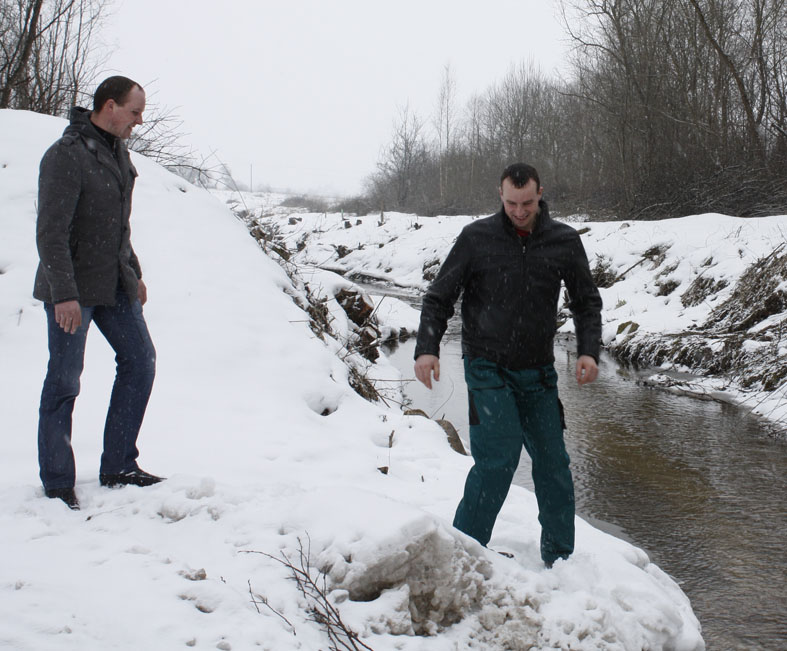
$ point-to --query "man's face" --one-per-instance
(122, 118)
(521, 204)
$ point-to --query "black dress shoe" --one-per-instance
(136, 477)
(66, 494)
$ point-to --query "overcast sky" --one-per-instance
(302, 94)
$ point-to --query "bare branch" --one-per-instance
(258, 599)
(312, 584)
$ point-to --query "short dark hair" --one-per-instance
(116, 88)
(520, 174)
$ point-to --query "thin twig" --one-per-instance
(263, 600)
(320, 609)
(445, 402)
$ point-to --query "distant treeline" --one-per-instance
(673, 107)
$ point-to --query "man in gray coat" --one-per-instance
(88, 271)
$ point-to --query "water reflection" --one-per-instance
(698, 484)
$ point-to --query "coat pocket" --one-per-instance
(480, 375)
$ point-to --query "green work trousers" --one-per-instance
(508, 410)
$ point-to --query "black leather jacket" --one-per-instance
(511, 291)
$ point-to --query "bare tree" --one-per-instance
(752, 121)
(47, 55)
(20, 30)
(404, 160)
(444, 122)
(473, 144)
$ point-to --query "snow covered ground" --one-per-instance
(666, 279)
(272, 459)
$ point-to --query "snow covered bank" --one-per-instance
(704, 295)
(267, 449)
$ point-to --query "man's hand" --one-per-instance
(424, 366)
(587, 369)
(142, 292)
(68, 315)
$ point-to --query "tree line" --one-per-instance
(49, 62)
(670, 107)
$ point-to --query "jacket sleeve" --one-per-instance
(59, 186)
(584, 302)
(133, 260)
(438, 302)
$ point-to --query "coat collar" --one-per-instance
(80, 125)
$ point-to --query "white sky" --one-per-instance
(304, 93)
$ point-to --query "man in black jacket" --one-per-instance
(88, 271)
(510, 267)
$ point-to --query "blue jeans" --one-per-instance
(124, 328)
(510, 410)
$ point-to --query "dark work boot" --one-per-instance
(66, 494)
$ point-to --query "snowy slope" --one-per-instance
(236, 424)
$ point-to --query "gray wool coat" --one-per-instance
(82, 232)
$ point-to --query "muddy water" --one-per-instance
(700, 486)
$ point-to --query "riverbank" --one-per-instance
(701, 299)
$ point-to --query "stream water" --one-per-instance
(699, 485)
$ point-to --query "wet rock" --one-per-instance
(358, 307)
(450, 431)
(281, 250)
(452, 435)
(194, 575)
(368, 340)
(430, 269)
